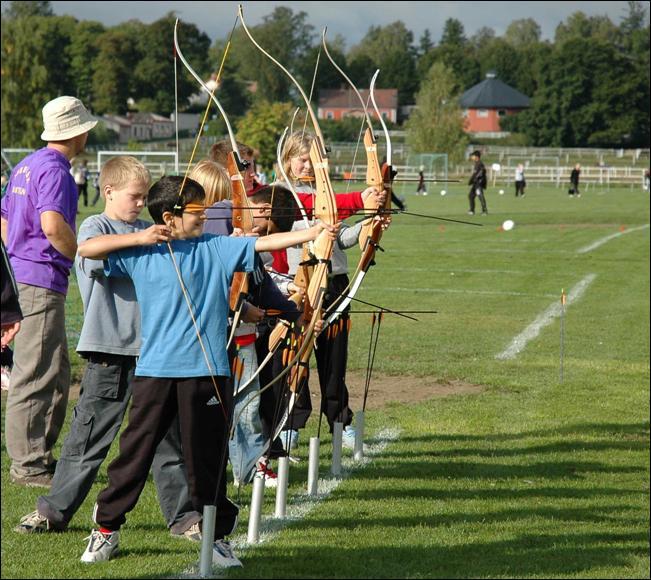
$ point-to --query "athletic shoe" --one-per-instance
(223, 555)
(263, 470)
(42, 480)
(193, 533)
(289, 439)
(348, 437)
(101, 547)
(35, 523)
(484, 213)
(471, 212)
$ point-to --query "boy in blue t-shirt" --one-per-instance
(182, 288)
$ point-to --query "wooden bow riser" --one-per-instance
(242, 218)
(374, 178)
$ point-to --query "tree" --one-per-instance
(502, 58)
(578, 25)
(636, 19)
(436, 125)
(113, 68)
(18, 9)
(262, 126)
(453, 33)
(425, 43)
(35, 70)
(587, 97)
(388, 48)
(482, 37)
(522, 32)
(81, 53)
(287, 37)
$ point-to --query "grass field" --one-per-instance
(530, 478)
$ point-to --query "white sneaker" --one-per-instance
(348, 437)
(289, 439)
(101, 547)
(223, 555)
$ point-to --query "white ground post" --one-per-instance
(337, 433)
(207, 539)
(281, 488)
(256, 510)
(313, 467)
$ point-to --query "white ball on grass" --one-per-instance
(501, 192)
(508, 225)
(443, 192)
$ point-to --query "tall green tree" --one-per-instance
(388, 48)
(502, 58)
(113, 70)
(436, 125)
(287, 36)
(81, 53)
(35, 69)
(154, 74)
(262, 126)
(456, 53)
(579, 25)
(21, 9)
(587, 97)
(522, 32)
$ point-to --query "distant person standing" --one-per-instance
(574, 181)
(478, 183)
(421, 190)
(520, 182)
(81, 175)
(647, 179)
(38, 226)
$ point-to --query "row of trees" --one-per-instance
(590, 86)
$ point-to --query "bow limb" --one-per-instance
(325, 209)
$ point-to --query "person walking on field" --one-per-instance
(477, 183)
(520, 182)
(81, 175)
(574, 181)
(38, 227)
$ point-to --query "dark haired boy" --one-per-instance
(182, 287)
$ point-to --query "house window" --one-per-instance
(501, 113)
(330, 115)
(465, 112)
(482, 113)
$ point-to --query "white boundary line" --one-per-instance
(553, 311)
(300, 505)
(602, 241)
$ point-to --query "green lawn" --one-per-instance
(528, 479)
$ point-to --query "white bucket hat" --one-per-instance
(65, 118)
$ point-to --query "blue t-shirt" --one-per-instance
(170, 347)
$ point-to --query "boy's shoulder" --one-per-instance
(101, 223)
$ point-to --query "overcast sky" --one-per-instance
(350, 19)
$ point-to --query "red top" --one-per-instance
(347, 204)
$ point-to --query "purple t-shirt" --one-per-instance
(41, 182)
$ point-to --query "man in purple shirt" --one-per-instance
(38, 228)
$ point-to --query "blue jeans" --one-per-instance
(97, 417)
(248, 442)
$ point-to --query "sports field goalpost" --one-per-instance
(159, 163)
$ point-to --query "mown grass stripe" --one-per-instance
(602, 241)
(553, 311)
